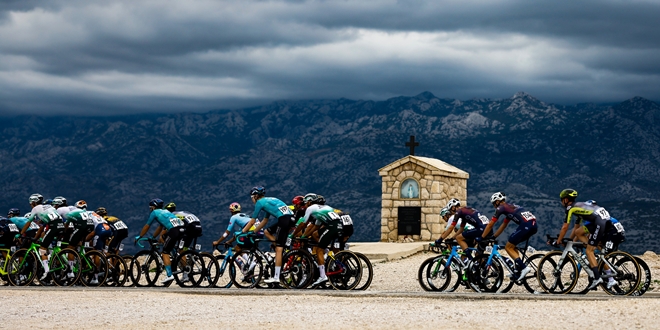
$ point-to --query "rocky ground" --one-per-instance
(395, 300)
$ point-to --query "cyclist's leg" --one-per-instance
(281, 233)
(521, 234)
(172, 236)
(116, 239)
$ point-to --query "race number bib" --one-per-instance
(192, 218)
(484, 219)
(603, 213)
(528, 216)
(84, 216)
(619, 227)
(176, 222)
(120, 225)
(334, 216)
(12, 227)
(284, 209)
(346, 220)
(33, 226)
(52, 216)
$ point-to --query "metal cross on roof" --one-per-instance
(412, 144)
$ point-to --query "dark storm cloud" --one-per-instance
(126, 56)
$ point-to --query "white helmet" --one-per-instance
(453, 202)
(36, 198)
(498, 196)
(27, 215)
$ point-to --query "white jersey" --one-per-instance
(96, 219)
(458, 225)
(311, 209)
(64, 210)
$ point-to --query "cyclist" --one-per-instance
(237, 222)
(81, 222)
(174, 231)
(50, 228)
(8, 232)
(592, 220)
(19, 221)
(60, 204)
(466, 215)
(347, 224)
(278, 231)
(527, 227)
(327, 224)
(119, 228)
(193, 225)
(102, 231)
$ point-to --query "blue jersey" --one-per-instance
(272, 206)
(237, 222)
(21, 221)
(165, 218)
(515, 213)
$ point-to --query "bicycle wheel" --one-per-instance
(438, 275)
(345, 271)
(95, 269)
(147, 267)
(249, 275)
(645, 283)
(211, 271)
(421, 274)
(367, 272)
(628, 274)
(530, 282)
(188, 270)
(65, 267)
(554, 277)
(22, 267)
(133, 272)
(297, 269)
(488, 278)
(117, 271)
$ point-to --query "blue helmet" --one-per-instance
(157, 203)
(258, 191)
(14, 212)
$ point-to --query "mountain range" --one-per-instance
(527, 148)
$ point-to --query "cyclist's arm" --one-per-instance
(158, 230)
(144, 231)
(562, 232)
(222, 238)
(448, 231)
(501, 228)
(573, 233)
(310, 229)
(299, 228)
(489, 226)
(259, 226)
(25, 228)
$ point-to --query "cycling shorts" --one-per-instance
(53, 230)
(524, 231)
(595, 231)
(327, 235)
(171, 237)
(116, 239)
(103, 231)
(613, 237)
(281, 230)
(471, 234)
(193, 230)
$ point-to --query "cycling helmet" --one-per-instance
(298, 200)
(48, 202)
(591, 202)
(81, 204)
(36, 198)
(157, 203)
(258, 191)
(101, 211)
(320, 200)
(170, 207)
(234, 207)
(453, 202)
(444, 211)
(568, 193)
(27, 215)
(14, 212)
(498, 196)
(57, 201)
(60, 198)
(310, 198)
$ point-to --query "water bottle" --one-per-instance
(509, 262)
(241, 262)
(585, 261)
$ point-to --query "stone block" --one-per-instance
(396, 184)
(385, 212)
(397, 203)
(394, 213)
(407, 166)
(409, 174)
(433, 218)
(434, 202)
(426, 210)
(387, 196)
(387, 203)
(391, 225)
(424, 193)
(437, 229)
(423, 182)
(401, 176)
(383, 221)
(425, 235)
(435, 187)
(436, 196)
(416, 175)
(392, 235)
(383, 237)
(395, 193)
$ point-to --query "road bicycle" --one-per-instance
(25, 265)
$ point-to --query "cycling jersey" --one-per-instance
(165, 218)
(116, 223)
(470, 216)
(64, 210)
(323, 214)
(193, 226)
(458, 224)
(593, 219)
(120, 232)
(514, 213)
(271, 206)
(44, 213)
(21, 221)
(237, 222)
(8, 231)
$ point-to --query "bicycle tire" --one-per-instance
(22, 267)
(421, 274)
(188, 263)
(368, 266)
(100, 270)
(117, 271)
(297, 269)
(147, 267)
(249, 279)
(646, 282)
(628, 276)
(60, 267)
(530, 282)
(132, 272)
(488, 278)
(211, 272)
(555, 278)
(437, 275)
(350, 270)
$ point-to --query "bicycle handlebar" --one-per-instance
(151, 240)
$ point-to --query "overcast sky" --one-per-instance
(111, 57)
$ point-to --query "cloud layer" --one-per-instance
(110, 57)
